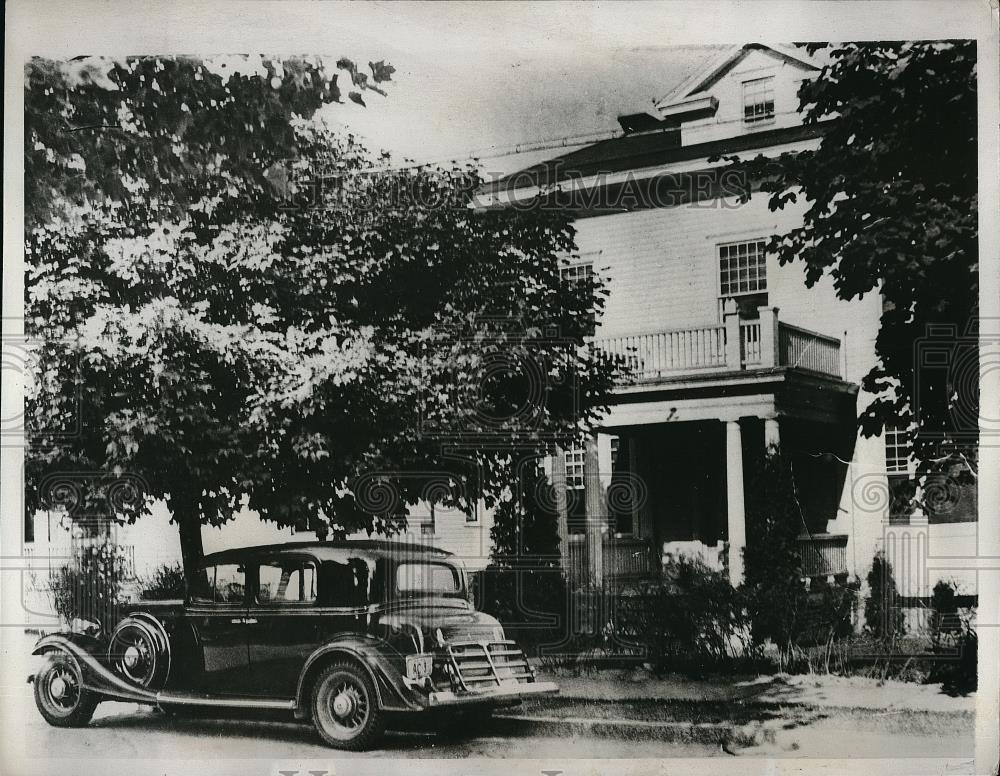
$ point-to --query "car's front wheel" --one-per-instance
(345, 707)
(60, 695)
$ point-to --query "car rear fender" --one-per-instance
(85, 651)
(373, 657)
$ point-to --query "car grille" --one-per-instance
(480, 665)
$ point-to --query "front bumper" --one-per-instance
(504, 692)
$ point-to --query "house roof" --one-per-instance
(716, 67)
(634, 152)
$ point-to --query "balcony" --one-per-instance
(733, 346)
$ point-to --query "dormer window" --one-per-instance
(758, 100)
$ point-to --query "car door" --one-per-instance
(217, 611)
(294, 610)
(283, 621)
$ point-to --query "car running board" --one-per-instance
(182, 699)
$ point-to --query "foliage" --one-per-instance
(526, 522)
(959, 673)
(773, 585)
(524, 586)
(883, 616)
(292, 327)
(89, 587)
(694, 620)
(945, 623)
(164, 584)
(891, 208)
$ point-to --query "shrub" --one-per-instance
(165, 583)
(693, 620)
(90, 585)
(883, 616)
(530, 603)
(776, 596)
(945, 623)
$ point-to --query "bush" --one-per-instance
(90, 585)
(531, 604)
(693, 621)
(945, 623)
(883, 616)
(164, 584)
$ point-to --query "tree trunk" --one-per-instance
(192, 550)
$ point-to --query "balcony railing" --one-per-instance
(823, 555)
(808, 350)
(735, 345)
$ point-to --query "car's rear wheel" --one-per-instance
(345, 708)
(60, 695)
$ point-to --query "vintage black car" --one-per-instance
(340, 633)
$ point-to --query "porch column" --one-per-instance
(736, 516)
(771, 435)
(562, 510)
(596, 519)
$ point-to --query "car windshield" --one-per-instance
(428, 579)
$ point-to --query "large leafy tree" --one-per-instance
(891, 208)
(236, 308)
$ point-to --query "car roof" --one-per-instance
(372, 548)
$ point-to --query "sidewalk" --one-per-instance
(773, 714)
(814, 690)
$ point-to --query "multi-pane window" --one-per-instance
(620, 493)
(742, 268)
(574, 467)
(577, 273)
(576, 498)
(897, 450)
(758, 100)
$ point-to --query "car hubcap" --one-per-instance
(58, 687)
(63, 689)
(132, 656)
(349, 706)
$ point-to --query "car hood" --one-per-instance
(456, 622)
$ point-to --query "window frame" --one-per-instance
(214, 567)
(277, 559)
(760, 267)
(894, 438)
(761, 98)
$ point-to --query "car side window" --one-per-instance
(224, 583)
(286, 581)
(346, 584)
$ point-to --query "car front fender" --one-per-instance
(375, 656)
(85, 652)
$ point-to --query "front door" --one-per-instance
(218, 614)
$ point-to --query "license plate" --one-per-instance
(419, 666)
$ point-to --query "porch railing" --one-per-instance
(823, 555)
(623, 557)
(808, 350)
(736, 345)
